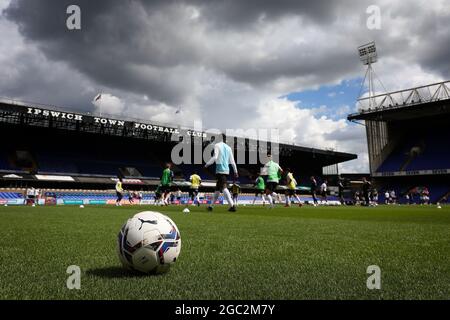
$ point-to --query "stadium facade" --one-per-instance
(408, 139)
(49, 147)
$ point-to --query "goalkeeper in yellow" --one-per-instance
(291, 190)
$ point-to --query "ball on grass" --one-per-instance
(186, 210)
(81, 206)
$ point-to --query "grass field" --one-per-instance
(255, 253)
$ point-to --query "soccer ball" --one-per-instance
(149, 242)
(186, 210)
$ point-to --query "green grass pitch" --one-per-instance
(255, 253)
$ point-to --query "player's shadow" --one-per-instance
(115, 272)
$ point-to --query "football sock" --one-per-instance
(227, 194)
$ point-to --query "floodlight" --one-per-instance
(368, 53)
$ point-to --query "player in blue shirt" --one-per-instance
(223, 158)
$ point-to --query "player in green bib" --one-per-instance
(260, 186)
(274, 173)
(166, 181)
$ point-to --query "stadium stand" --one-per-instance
(53, 148)
(409, 141)
(420, 152)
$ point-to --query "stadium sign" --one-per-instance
(150, 127)
(98, 120)
(171, 130)
(55, 114)
(412, 173)
(113, 122)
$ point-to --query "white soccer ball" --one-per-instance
(81, 206)
(149, 242)
(439, 207)
(186, 210)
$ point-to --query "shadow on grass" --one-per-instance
(115, 272)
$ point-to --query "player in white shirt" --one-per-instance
(386, 197)
(323, 190)
(393, 197)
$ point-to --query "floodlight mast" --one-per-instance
(368, 55)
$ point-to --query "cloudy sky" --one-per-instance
(286, 64)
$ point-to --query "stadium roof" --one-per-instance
(38, 115)
(429, 100)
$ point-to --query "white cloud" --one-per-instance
(107, 104)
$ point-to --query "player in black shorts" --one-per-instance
(158, 195)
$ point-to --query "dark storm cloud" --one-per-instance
(434, 32)
(137, 45)
(154, 48)
(241, 14)
(113, 48)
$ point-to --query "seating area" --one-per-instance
(130, 163)
(419, 151)
(11, 195)
(4, 161)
